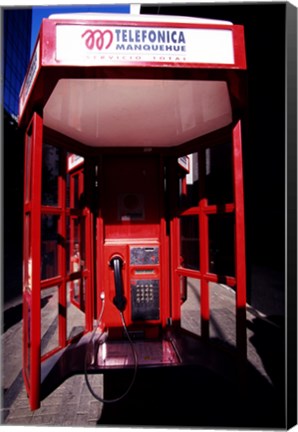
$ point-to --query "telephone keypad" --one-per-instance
(145, 300)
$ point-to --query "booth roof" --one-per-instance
(155, 109)
(138, 18)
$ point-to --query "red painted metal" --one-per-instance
(175, 263)
(62, 323)
(240, 241)
(33, 298)
(33, 210)
(208, 209)
(88, 273)
(239, 46)
(202, 211)
(83, 235)
(204, 250)
(175, 256)
(27, 258)
(164, 252)
(49, 42)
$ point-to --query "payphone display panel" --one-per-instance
(144, 255)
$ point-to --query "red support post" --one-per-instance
(89, 280)
(35, 245)
(61, 251)
(239, 242)
(204, 265)
(204, 247)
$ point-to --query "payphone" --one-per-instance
(133, 273)
(141, 296)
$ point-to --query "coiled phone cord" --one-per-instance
(96, 396)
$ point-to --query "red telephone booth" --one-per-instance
(123, 199)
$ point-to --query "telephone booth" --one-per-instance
(123, 202)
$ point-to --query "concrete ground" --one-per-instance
(71, 404)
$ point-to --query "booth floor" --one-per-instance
(182, 397)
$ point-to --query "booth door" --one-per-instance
(208, 233)
(57, 256)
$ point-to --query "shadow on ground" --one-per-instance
(193, 397)
(14, 314)
(269, 341)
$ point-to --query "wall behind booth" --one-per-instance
(13, 172)
(263, 142)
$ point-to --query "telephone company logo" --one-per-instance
(98, 39)
(135, 40)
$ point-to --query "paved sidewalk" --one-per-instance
(71, 404)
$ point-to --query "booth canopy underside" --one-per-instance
(137, 113)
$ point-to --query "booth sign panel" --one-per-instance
(110, 44)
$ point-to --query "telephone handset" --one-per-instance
(116, 263)
(119, 300)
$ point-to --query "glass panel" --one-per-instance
(190, 310)
(221, 244)
(188, 193)
(83, 243)
(75, 316)
(77, 291)
(49, 303)
(75, 288)
(219, 174)
(28, 166)
(50, 240)
(183, 288)
(75, 244)
(189, 242)
(50, 175)
(75, 183)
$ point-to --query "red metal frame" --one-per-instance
(32, 209)
(63, 278)
(75, 237)
(165, 255)
(239, 241)
(49, 37)
(202, 211)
